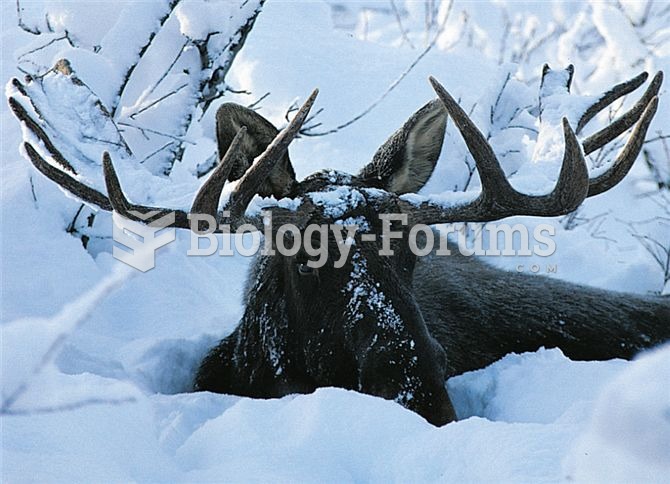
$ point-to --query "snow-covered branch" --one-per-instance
(30, 345)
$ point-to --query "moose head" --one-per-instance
(355, 322)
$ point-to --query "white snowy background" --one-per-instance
(96, 357)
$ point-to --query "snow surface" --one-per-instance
(96, 363)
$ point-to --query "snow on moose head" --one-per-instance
(354, 321)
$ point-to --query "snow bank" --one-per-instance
(628, 436)
(509, 389)
(343, 436)
(110, 405)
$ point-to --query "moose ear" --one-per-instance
(405, 162)
(260, 132)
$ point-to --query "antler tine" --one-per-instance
(573, 181)
(609, 97)
(570, 191)
(130, 210)
(115, 201)
(253, 178)
(605, 135)
(65, 180)
(206, 200)
(21, 113)
(114, 190)
(624, 161)
(491, 174)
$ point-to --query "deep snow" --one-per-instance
(106, 403)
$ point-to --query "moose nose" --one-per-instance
(419, 387)
(397, 357)
(438, 410)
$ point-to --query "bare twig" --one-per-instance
(527, 128)
(659, 250)
(504, 36)
(663, 203)
(573, 220)
(494, 108)
(388, 91)
(403, 31)
(471, 172)
(144, 130)
(65, 36)
(22, 24)
(657, 138)
(605, 154)
(305, 130)
(71, 227)
(597, 231)
(156, 101)
(430, 16)
(32, 190)
(155, 152)
(530, 47)
(237, 91)
(651, 163)
(169, 68)
(645, 15)
(255, 104)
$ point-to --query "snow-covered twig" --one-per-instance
(69, 406)
(213, 86)
(53, 333)
(129, 71)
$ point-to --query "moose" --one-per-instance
(394, 326)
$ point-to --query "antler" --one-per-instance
(498, 199)
(207, 198)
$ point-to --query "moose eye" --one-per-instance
(305, 270)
